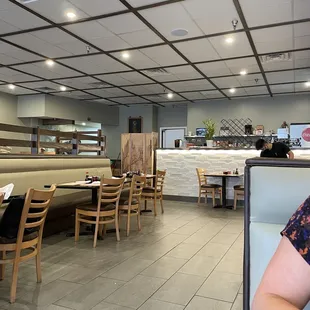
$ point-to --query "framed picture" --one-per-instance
(135, 124)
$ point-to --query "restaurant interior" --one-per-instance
(129, 176)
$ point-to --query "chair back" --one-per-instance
(159, 181)
(137, 184)
(1, 198)
(110, 191)
(37, 203)
(201, 176)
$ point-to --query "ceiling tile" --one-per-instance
(6, 28)
(239, 47)
(172, 16)
(80, 82)
(137, 3)
(302, 75)
(13, 76)
(282, 88)
(189, 85)
(214, 68)
(95, 64)
(163, 55)
(125, 78)
(141, 38)
(163, 98)
(237, 93)
(259, 90)
(198, 50)
(250, 80)
(301, 87)
(278, 65)
(212, 18)
(145, 89)
(137, 59)
(17, 90)
(212, 94)
(264, 12)
(194, 96)
(110, 43)
(77, 95)
(248, 64)
(131, 100)
(104, 101)
(301, 9)
(184, 72)
(273, 39)
(280, 77)
(43, 86)
(226, 82)
(109, 92)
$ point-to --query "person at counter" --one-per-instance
(276, 149)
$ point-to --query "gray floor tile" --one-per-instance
(81, 275)
(128, 269)
(200, 266)
(89, 295)
(135, 292)
(202, 303)
(238, 304)
(186, 230)
(165, 267)
(179, 289)
(216, 250)
(221, 286)
(199, 238)
(107, 306)
(229, 265)
(225, 238)
(153, 304)
(184, 250)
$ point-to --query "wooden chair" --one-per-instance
(207, 188)
(155, 193)
(29, 236)
(130, 201)
(238, 193)
(1, 198)
(102, 213)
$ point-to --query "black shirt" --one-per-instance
(278, 150)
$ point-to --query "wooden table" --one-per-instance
(224, 185)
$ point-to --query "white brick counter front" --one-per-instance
(181, 179)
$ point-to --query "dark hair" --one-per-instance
(260, 144)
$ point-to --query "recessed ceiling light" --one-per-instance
(229, 40)
(232, 90)
(170, 95)
(50, 62)
(180, 32)
(83, 124)
(243, 72)
(307, 84)
(63, 88)
(125, 55)
(71, 15)
(11, 86)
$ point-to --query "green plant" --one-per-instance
(210, 128)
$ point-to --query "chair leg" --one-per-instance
(139, 219)
(145, 204)
(213, 198)
(117, 228)
(2, 266)
(14, 282)
(221, 196)
(77, 227)
(199, 198)
(206, 197)
(38, 266)
(235, 201)
(128, 223)
(154, 201)
(96, 233)
(161, 204)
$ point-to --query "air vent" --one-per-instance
(155, 72)
(45, 89)
(98, 84)
(276, 57)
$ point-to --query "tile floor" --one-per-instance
(189, 258)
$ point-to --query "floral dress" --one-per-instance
(297, 230)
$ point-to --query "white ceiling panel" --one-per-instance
(214, 68)
(104, 101)
(302, 75)
(137, 59)
(250, 80)
(80, 82)
(259, 90)
(125, 78)
(212, 18)
(239, 47)
(273, 39)
(12, 76)
(17, 90)
(226, 82)
(301, 87)
(110, 43)
(77, 95)
(114, 79)
(248, 64)
(45, 86)
(145, 89)
(163, 98)
(131, 100)
(198, 50)
(278, 65)
(163, 55)
(237, 93)
(109, 92)
(301, 9)
(189, 85)
(184, 72)
(137, 3)
(6, 28)
(282, 88)
(280, 77)
(141, 38)
(95, 64)
(264, 12)
(172, 16)
(19, 18)
(194, 96)
(212, 94)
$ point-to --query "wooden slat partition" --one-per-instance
(36, 144)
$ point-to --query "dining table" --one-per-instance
(224, 177)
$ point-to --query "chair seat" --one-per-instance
(29, 237)
(92, 207)
(124, 202)
(239, 187)
(150, 190)
(210, 185)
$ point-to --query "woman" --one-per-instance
(286, 282)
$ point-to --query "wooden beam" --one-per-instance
(15, 142)
(14, 128)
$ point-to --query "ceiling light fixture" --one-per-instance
(125, 55)
(229, 40)
(83, 124)
(307, 84)
(243, 72)
(232, 90)
(170, 95)
(11, 86)
(63, 88)
(50, 62)
(71, 15)
(179, 32)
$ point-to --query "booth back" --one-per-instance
(37, 171)
(274, 189)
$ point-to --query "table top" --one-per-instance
(222, 175)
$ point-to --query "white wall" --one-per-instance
(270, 112)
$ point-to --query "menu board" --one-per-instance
(301, 131)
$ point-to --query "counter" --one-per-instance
(181, 179)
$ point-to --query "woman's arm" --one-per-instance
(291, 155)
(286, 282)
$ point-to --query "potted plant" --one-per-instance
(210, 131)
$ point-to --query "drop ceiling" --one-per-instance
(88, 50)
